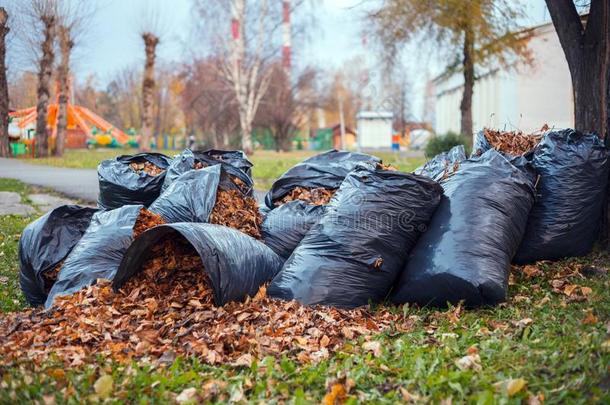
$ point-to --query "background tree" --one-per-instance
(471, 32)
(73, 18)
(4, 103)
(148, 87)
(41, 29)
(587, 50)
(286, 106)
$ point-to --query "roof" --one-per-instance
(375, 115)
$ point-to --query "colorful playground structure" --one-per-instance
(84, 128)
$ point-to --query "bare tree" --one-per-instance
(285, 106)
(4, 109)
(148, 88)
(44, 16)
(73, 18)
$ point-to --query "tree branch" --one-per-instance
(568, 26)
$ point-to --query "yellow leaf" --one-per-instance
(336, 395)
(586, 291)
(103, 386)
(514, 386)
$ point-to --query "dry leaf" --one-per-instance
(469, 362)
(373, 346)
(511, 386)
(336, 395)
(103, 386)
(187, 396)
(590, 318)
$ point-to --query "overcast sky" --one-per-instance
(113, 41)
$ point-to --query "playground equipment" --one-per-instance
(83, 126)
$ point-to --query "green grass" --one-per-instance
(268, 165)
(560, 357)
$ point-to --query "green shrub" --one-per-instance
(442, 143)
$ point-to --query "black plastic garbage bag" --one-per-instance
(325, 170)
(234, 163)
(480, 144)
(444, 164)
(237, 264)
(353, 254)
(98, 253)
(566, 217)
(191, 197)
(45, 243)
(284, 227)
(466, 252)
(121, 185)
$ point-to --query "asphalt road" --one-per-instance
(74, 183)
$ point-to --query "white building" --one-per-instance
(524, 98)
(374, 129)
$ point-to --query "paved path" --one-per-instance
(74, 183)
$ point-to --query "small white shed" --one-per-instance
(374, 129)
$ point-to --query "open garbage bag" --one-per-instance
(326, 170)
(466, 252)
(444, 164)
(237, 264)
(191, 197)
(121, 185)
(284, 227)
(45, 243)
(567, 215)
(234, 162)
(353, 254)
(98, 253)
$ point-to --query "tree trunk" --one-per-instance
(4, 141)
(148, 86)
(246, 137)
(65, 44)
(44, 82)
(468, 65)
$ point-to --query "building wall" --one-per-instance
(375, 133)
(524, 98)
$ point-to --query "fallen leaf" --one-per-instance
(336, 395)
(469, 362)
(511, 386)
(408, 396)
(103, 386)
(187, 396)
(586, 291)
(373, 346)
(245, 360)
(590, 318)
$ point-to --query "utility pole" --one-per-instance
(341, 122)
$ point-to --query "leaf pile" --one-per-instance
(167, 310)
(389, 167)
(312, 196)
(144, 166)
(236, 211)
(146, 220)
(50, 276)
(513, 142)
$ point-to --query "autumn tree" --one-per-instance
(472, 32)
(4, 103)
(286, 105)
(586, 44)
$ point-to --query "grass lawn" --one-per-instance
(268, 165)
(549, 343)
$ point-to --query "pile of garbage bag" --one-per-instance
(339, 229)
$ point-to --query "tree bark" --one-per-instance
(468, 65)
(4, 102)
(44, 83)
(65, 44)
(148, 86)
(587, 53)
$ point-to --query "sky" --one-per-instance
(112, 41)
